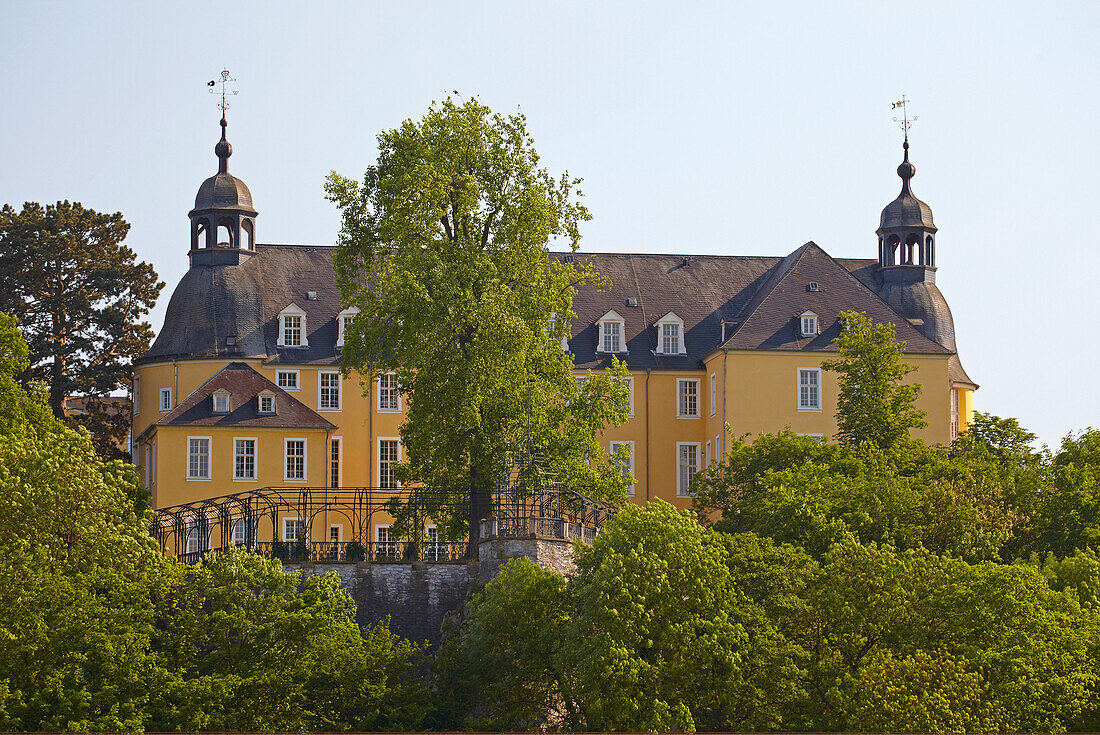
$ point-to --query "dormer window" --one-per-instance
(670, 335)
(266, 401)
(342, 322)
(221, 401)
(611, 328)
(807, 324)
(292, 327)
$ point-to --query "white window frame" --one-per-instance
(153, 464)
(378, 461)
(240, 522)
(292, 310)
(630, 466)
(165, 406)
(136, 390)
(629, 380)
(286, 521)
(297, 380)
(611, 318)
(225, 395)
(717, 449)
(681, 491)
(260, 397)
(197, 530)
(209, 458)
(148, 466)
(680, 414)
(255, 458)
(389, 545)
(713, 394)
(708, 455)
(338, 457)
(341, 324)
(286, 458)
(808, 324)
(670, 319)
(798, 389)
(339, 390)
(396, 388)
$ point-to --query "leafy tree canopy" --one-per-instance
(80, 296)
(874, 404)
(444, 251)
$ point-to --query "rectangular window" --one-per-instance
(688, 400)
(287, 379)
(389, 454)
(334, 463)
(244, 459)
(627, 465)
(329, 399)
(670, 339)
(197, 536)
(385, 543)
(292, 331)
(717, 450)
(148, 466)
(612, 337)
(629, 380)
(954, 414)
(435, 549)
(809, 389)
(198, 458)
(389, 393)
(240, 531)
(708, 454)
(165, 400)
(267, 403)
(809, 325)
(687, 465)
(713, 394)
(221, 403)
(294, 529)
(295, 460)
(137, 395)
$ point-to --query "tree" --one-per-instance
(663, 636)
(874, 404)
(444, 251)
(249, 647)
(80, 295)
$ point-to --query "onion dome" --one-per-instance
(222, 190)
(906, 210)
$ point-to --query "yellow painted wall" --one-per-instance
(755, 392)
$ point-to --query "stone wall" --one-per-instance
(418, 595)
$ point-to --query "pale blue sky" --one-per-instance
(705, 127)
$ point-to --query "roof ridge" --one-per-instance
(773, 283)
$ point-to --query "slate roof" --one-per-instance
(243, 384)
(758, 298)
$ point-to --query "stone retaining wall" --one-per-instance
(416, 596)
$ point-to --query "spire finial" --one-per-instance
(223, 150)
(906, 170)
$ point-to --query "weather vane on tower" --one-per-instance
(905, 120)
(223, 105)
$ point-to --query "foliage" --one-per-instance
(444, 253)
(249, 647)
(874, 404)
(500, 670)
(80, 295)
(811, 494)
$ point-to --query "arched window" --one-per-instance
(912, 242)
(247, 235)
(892, 249)
(930, 250)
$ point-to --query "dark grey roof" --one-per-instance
(223, 191)
(243, 384)
(211, 303)
(906, 210)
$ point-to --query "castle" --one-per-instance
(242, 387)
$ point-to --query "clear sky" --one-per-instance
(699, 127)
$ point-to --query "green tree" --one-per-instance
(80, 296)
(249, 647)
(77, 570)
(502, 669)
(874, 403)
(663, 637)
(444, 251)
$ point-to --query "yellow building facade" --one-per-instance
(242, 387)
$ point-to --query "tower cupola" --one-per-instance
(223, 222)
(906, 233)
